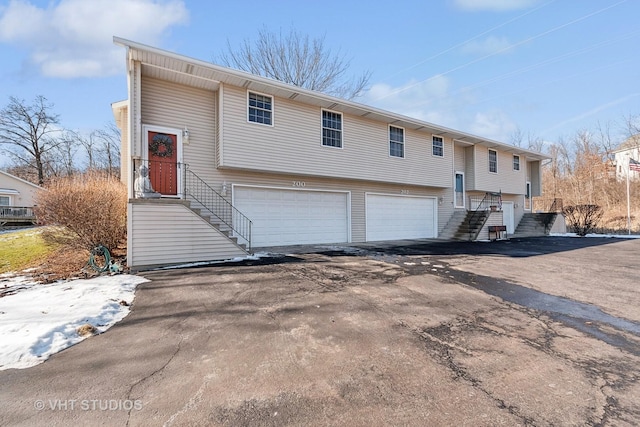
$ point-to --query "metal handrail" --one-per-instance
(192, 187)
(214, 203)
(17, 212)
(487, 201)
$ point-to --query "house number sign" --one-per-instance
(404, 191)
(299, 183)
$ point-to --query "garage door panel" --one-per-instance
(392, 217)
(289, 217)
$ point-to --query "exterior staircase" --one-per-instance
(452, 226)
(471, 225)
(535, 224)
(217, 224)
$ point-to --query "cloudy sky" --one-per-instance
(490, 67)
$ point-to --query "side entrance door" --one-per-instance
(508, 216)
(459, 188)
(163, 149)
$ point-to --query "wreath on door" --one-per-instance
(161, 145)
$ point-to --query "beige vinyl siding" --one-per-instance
(518, 206)
(459, 158)
(26, 192)
(167, 232)
(135, 105)
(495, 218)
(294, 145)
(470, 168)
(506, 179)
(171, 105)
(535, 177)
(356, 188)
(125, 159)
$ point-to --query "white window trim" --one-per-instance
(513, 163)
(489, 160)
(404, 140)
(524, 197)
(464, 190)
(273, 107)
(9, 197)
(179, 159)
(435, 155)
(322, 110)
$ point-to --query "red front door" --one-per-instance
(163, 162)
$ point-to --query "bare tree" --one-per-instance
(533, 142)
(60, 161)
(27, 132)
(294, 58)
(108, 148)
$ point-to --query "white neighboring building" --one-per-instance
(629, 149)
(15, 191)
(17, 198)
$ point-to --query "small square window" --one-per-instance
(516, 163)
(396, 141)
(438, 146)
(260, 108)
(331, 129)
(493, 161)
(5, 201)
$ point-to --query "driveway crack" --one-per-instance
(443, 352)
(150, 375)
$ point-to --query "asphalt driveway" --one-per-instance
(524, 332)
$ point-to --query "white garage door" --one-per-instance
(400, 217)
(292, 217)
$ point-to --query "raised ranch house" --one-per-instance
(219, 162)
(17, 198)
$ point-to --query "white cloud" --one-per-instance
(410, 95)
(490, 46)
(74, 38)
(434, 101)
(493, 5)
(494, 124)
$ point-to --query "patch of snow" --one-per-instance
(616, 236)
(39, 320)
(409, 263)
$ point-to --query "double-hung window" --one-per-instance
(493, 161)
(396, 141)
(437, 146)
(516, 162)
(260, 109)
(331, 129)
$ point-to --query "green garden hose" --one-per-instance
(100, 251)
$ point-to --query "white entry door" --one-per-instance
(293, 217)
(391, 217)
(508, 216)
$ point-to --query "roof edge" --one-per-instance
(21, 180)
(455, 134)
